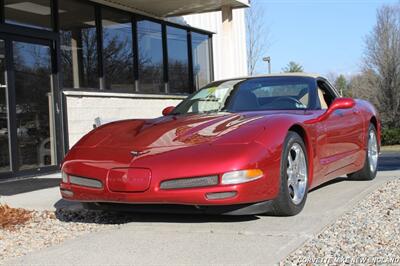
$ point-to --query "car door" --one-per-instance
(343, 131)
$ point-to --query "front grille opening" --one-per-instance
(192, 182)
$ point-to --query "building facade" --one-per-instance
(68, 65)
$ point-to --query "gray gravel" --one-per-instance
(369, 234)
(48, 228)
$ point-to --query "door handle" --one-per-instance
(3, 86)
(57, 109)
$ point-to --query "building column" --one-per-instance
(227, 37)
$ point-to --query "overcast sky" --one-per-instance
(322, 35)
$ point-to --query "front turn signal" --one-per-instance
(242, 176)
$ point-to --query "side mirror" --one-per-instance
(168, 110)
(339, 103)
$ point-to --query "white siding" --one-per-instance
(213, 22)
(82, 111)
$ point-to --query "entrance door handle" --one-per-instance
(3, 86)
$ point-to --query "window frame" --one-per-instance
(187, 53)
(210, 57)
(164, 60)
(53, 18)
(326, 86)
(134, 47)
(53, 34)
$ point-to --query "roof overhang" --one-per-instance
(171, 8)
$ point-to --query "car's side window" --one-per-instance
(325, 95)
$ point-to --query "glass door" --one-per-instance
(4, 133)
(34, 109)
(27, 113)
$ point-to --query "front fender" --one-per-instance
(273, 139)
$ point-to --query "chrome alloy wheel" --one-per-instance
(297, 174)
(372, 151)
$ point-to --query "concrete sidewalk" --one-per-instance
(39, 197)
(187, 239)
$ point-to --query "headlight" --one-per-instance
(64, 177)
(243, 176)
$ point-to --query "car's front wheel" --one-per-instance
(293, 177)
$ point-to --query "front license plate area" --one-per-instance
(129, 179)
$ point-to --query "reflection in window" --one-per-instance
(4, 147)
(33, 93)
(32, 13)
(78, 44)
(117, 51)
(150, 56)
(178, 66)
(201, 60)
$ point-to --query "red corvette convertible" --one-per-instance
(240, 146)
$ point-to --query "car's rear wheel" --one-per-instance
(293, 177)
(369, 170)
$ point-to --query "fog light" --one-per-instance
(221, 195)
(67, 193)
(64, 177)
(243, 176)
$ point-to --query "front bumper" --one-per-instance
(175, 164)
(238, 209)
(251, 192)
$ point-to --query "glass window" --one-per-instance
(150, 56)
(117, 51)
(33, 93)
(32, 13)
(178, 61)
(4, 147)
(257, 94)
(201, 59)
(78, 36)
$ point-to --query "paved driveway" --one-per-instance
(183, 239)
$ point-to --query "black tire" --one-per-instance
(283, 205)
(365, 173)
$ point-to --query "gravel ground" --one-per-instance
(367, 235)
(49, 228)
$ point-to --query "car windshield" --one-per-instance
(255, 94)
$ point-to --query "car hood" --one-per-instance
(176, 131)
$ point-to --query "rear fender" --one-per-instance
(368, 111)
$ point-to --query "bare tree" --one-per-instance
(382, 62)
(332, 76)
(362, 86)
(257, 36)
